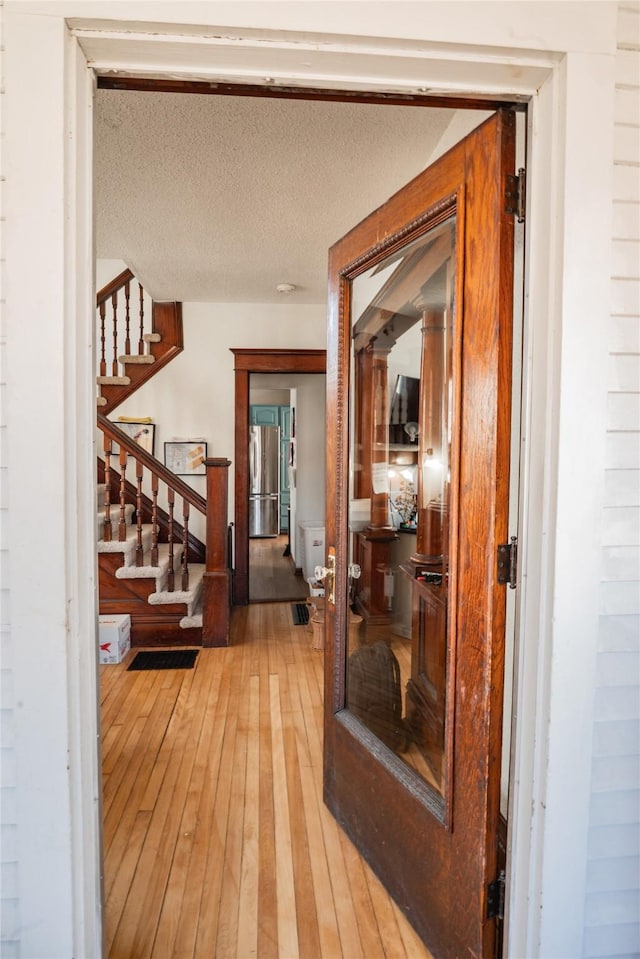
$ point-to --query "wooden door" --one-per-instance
(419, 393)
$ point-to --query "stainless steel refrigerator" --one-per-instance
(264, 481)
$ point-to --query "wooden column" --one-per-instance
(432, 441)
(216, 598)
(372, 546)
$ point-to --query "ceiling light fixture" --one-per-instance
(285, 288)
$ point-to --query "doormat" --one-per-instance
(164, 659)
(300, 613)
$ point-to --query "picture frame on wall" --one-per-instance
(142, 432)
(186, 457)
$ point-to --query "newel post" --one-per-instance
(216, 600)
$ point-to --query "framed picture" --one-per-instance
(186, 457)
(142, 433)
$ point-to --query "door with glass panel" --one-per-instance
(419, 391)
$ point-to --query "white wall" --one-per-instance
(612, 915)
(194, 395)
(49, 301)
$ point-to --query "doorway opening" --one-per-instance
(302, 371)
(287, 437)
(249, 365)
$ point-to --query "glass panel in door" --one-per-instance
(403, 339)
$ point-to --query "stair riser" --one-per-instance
(159, 628)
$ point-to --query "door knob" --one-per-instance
(327, 574)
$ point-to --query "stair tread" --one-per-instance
(116, 545)
(190, 597)
(140, 359)
(146, 570)
(113, 380)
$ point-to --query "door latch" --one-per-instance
(327, 574)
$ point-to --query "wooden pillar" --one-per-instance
(372, 546)
(216, 598)
(433, 453)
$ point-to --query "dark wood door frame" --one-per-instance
(246, 363)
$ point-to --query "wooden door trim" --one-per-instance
(249, 361)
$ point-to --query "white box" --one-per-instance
(312, 542)
(114, 638)
(316, 587)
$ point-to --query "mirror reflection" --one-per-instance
(401, 412)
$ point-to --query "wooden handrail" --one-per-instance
(152, 513)
(113, 286)
(152, 464)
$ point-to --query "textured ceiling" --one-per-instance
(213, 198)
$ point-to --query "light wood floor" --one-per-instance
(272, 576)
(216, 839)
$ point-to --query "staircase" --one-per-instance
(137, 338)
(160, 615)
(175, 588)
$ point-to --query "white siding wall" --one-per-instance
(612, 915)
(8, 827)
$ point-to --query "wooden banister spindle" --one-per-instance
(127, 340)
(103, 357)
(154, 519)
(139, 549)
(106, 528)
(171, 496)
(141, 311)
(185, 543)
(114, 310)
(122, 524)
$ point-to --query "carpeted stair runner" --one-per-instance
(192, 598)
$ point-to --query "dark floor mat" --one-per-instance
(300, 613)
(164, 659)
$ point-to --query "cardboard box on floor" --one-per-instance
(114, 638)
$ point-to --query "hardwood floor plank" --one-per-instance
(138, 925)
(347, 924)
(385, 912)
(272, 576)
(227, 936)
(368, 931)
(178, 877)
(295, 750)
(121, 875)
(137, 765)
(327, 923)
(285, 891)
(212, 882)
(249, 874)
(267, 902)
(412, 942)
(194, 904)
(217, 840)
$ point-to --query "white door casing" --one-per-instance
(48, 208)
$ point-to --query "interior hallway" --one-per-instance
(216, 839)
(272, 576)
